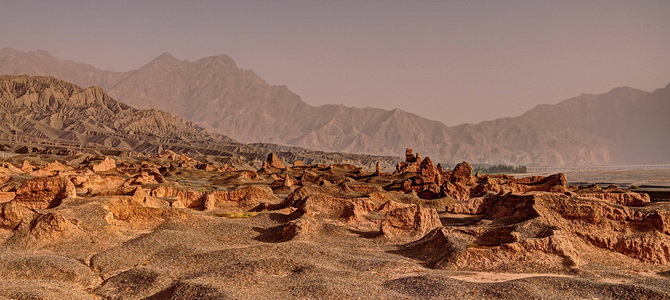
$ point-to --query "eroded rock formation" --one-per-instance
(163, 216)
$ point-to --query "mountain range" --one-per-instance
(622, 126)
(46, 115)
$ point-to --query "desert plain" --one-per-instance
(169, 226)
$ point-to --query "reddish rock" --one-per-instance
(456, 191)
(7, 168)
(178, 197)
(205, 167)
(409, 155)
(27, 167)
(323, 206)
(428, 173)
(290, 181)
(12, 214)
(296, 228)
(471, 206)
(7, 196)
(50, 169)
(44, 192)
(97, 184)
(309, 177)
(356, 210)
(145, 178)
(462, 174)
(52, 226)
(626, 199)
(402, 221)
(273, 162)
(245, 198)
(557, 183)
(247, 174)
(171, 155)
(362, 188)
(105, 165)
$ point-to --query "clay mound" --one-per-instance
(13, 214)
(44, 192)
(41, 289)
(160, 228)
(134, 283)
(391, 220)
(145, 178)
(55, 268)
(246, 198)
(49, 169)
(93, 185)
(52, 226)
(407, 221)
(546, 231)
(131, 213)
(536, 287)
(621, 198)
(179, 197)
(105, 165)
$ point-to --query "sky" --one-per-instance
(451, 61)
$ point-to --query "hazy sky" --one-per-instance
(453, 61)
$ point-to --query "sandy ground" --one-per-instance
(102, 250)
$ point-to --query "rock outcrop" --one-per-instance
(171, 217)
(273, 162)
(107, 164)
(44, 192)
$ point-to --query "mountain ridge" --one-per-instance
(214, 93)
(45, 115)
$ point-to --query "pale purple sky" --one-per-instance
(452, 61)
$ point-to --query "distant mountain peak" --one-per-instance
(7, 50)
(222, 60)
(614, 127)
(166, 56)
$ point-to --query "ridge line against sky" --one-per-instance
(451, 61)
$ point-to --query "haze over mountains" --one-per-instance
(50, 116)
(623, 126)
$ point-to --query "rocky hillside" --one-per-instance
(40, 112)
(620, 127)
(50, 109)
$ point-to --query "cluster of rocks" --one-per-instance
(451, 219)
